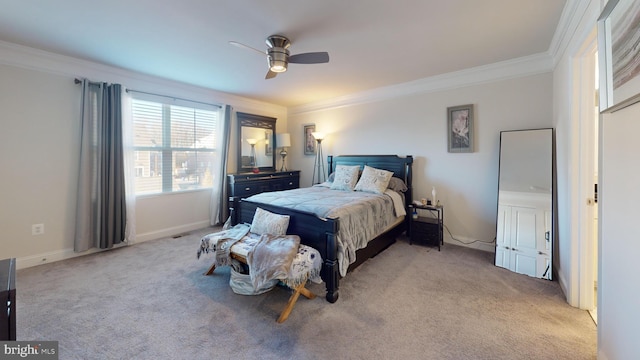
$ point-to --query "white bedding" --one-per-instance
(363, 215)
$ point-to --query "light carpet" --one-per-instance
(151, 301)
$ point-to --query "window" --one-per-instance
(174, 145)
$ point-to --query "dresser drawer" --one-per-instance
(245, 185)
(288, 184)
(246, 189)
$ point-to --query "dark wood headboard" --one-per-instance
(401, 167)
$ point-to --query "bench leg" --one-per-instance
(308, 294)
(211, 269)
(292, 301)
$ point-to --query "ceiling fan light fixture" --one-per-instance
(278, 66)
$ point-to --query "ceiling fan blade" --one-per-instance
(310, 58)
(270, 75)
(241, 45)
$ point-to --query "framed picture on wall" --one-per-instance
(309, 140)
(618, 53)
(460, 128)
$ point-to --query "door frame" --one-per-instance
(587, 239)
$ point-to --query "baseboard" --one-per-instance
(53, 256)
(601, 355)
(158, 234)
(64, 254)
(468, 242)
(563, 286)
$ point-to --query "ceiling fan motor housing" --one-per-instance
(278, 55)
(278, 41)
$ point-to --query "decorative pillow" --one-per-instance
(346, 177)
(396, 184)
(265, 222)
(374, 180)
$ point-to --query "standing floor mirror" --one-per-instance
(524, 237)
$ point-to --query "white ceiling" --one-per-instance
(371, 43)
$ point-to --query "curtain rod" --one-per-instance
(78, 81)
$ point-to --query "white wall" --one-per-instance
(618, 285)
(416, 125)
(39, 143)
(39, 140)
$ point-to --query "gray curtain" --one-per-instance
(100, 213)
(219, 207)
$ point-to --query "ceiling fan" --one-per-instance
(278, 56)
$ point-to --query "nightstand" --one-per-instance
(428, 228)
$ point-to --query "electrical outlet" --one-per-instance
(37, 229)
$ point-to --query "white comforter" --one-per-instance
(363, 216)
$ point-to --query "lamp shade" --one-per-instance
(252, 141)
(318, 135)
(283, 140)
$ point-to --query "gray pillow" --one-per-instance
(396, 184)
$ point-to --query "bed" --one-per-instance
(322, 233)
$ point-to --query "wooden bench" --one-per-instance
(298, 289)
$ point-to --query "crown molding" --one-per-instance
(572, 15)
(39, 60)
(515, 68)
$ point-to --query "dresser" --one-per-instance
(246, 184)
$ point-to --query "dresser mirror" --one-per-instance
(524, 236)
(256, 141)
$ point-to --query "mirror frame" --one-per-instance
(552, 205)
(255, 121)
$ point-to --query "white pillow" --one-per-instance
(374, 180)
(346, 177)
(265, 222)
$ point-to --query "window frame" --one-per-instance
(166, 150)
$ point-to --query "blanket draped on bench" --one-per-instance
(269, 257)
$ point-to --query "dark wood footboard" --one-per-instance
(313, 231)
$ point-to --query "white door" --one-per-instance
(521, 243)
(525, 225)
